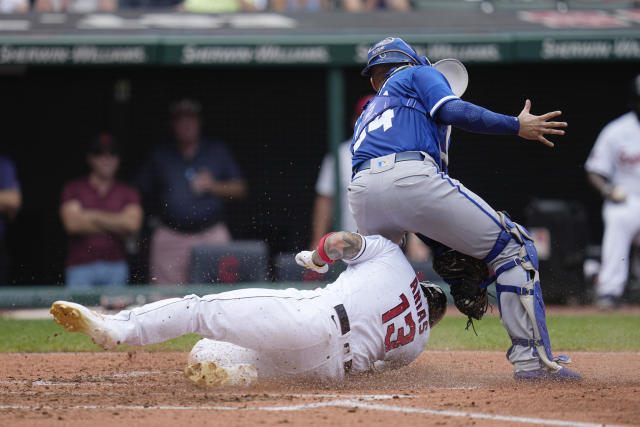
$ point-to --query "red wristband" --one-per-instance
(322, 253)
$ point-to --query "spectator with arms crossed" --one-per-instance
(99, 213)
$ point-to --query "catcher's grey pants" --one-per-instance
(414, 196)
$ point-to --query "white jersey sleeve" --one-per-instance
(325, 185)
(601, 159)
(372, 246)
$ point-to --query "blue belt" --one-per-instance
(400, 157)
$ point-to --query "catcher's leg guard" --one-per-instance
(530, 293)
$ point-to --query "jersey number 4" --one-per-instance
(383, 120)
(401, 338)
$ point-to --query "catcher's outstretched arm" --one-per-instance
(340, 245)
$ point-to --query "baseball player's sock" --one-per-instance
(209, 374)
(542, 374)
(78, 318)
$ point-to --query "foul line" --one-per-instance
(339, 403)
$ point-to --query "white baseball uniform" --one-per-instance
(374, 311)
(616, 156)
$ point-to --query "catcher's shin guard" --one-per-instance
(530, 292)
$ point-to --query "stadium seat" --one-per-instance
(237, 261)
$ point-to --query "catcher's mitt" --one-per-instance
(464, 274)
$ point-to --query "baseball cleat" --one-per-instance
(78, 318)
(561, 375)
(209, 374)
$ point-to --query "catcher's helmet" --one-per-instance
(392, 50)
(436, 300)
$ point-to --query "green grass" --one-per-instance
(602, 332)
(28, 336)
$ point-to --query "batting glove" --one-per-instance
(304, 259)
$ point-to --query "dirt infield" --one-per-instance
(440, 388)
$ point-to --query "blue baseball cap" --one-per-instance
(389, 51)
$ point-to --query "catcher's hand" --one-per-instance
(464, 274)
(304, 259)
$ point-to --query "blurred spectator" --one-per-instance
(76, 6)
(99, 213)
(299, 5)
(321, 220)
(613, 168)
(186, 183)
(369, 5)
(10, 201)
(14, 6)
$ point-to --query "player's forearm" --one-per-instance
(600, 183)
(236, 189)
(473, 118)
(10, 201)
(322, 210)
(340, 245)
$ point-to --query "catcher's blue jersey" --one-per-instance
(400, 117)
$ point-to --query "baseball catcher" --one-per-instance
(401, 184)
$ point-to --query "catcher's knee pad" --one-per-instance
(530, 292)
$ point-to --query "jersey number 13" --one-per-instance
(401, 338)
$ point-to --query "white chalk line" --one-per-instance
(340, 403)
(348, 402)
